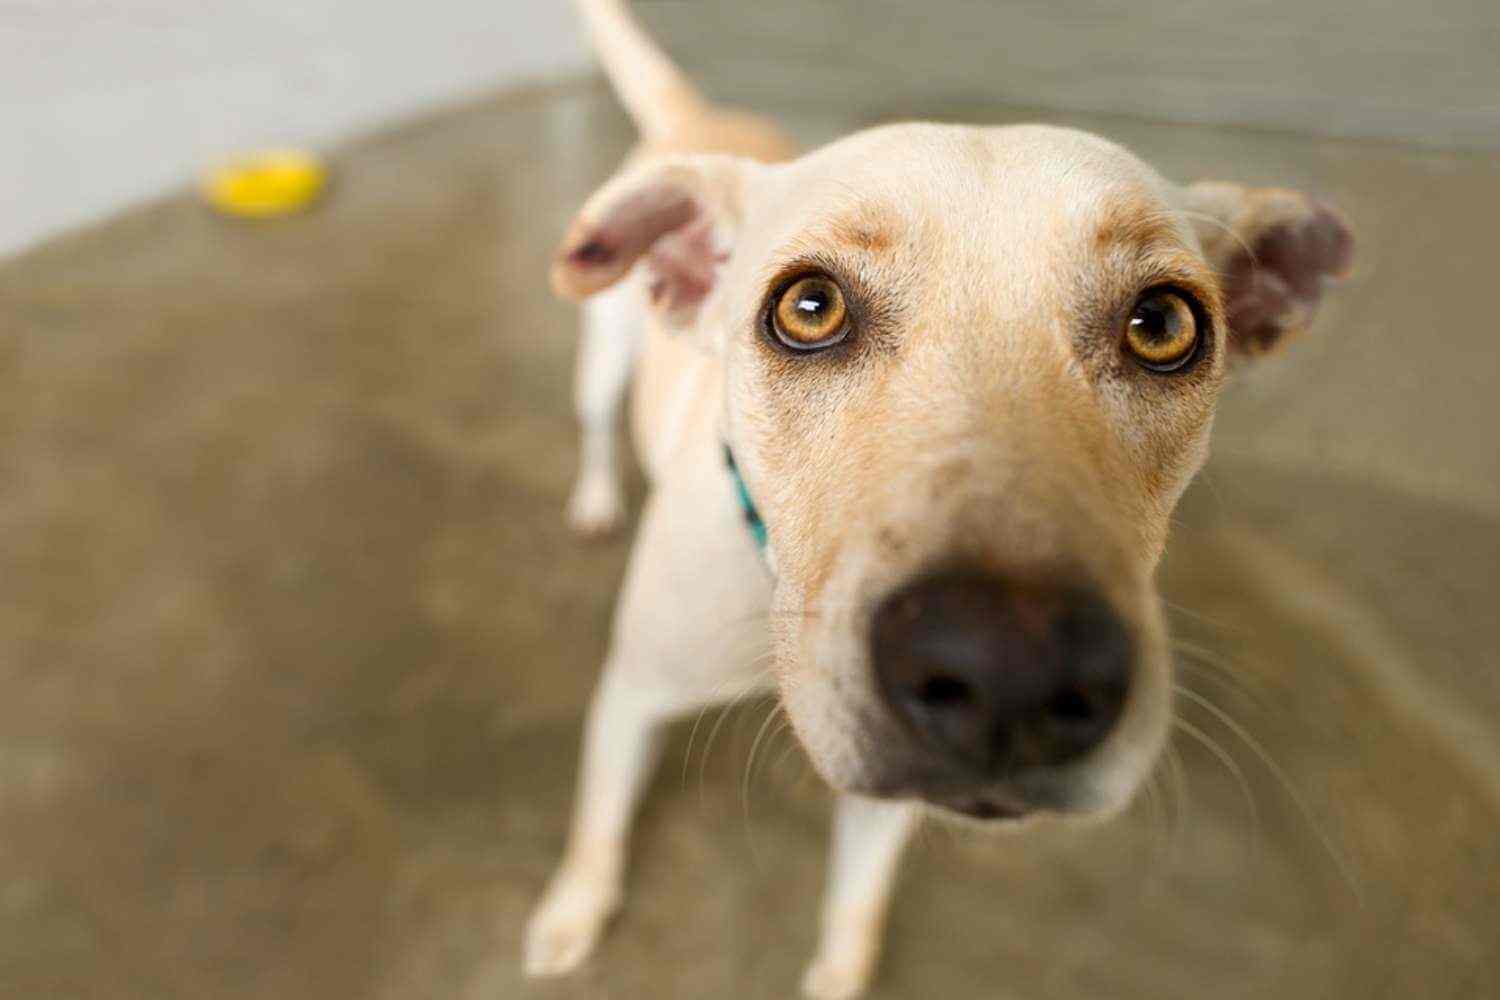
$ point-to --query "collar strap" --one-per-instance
(753, 519)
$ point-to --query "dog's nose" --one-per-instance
(1000, 675)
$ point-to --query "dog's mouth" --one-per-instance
(999, 801)
(988, 808)
(1006, 805)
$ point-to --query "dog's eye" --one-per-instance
(810, 314)
(1162, 333)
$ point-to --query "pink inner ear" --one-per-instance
(683, 265)
(1278, 289)
(662, 222)
(630, 227)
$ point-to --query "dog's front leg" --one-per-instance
(621, 745)
(694, 592)
(868, 836)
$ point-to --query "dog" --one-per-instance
(918, 406)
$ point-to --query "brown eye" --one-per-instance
(810, 314)
(1163, 331)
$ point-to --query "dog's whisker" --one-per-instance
(1155, 790)
(1211, 483)
(783, 725)
(1143, 808)
(1227, 229)
(791, 746)
(687, 753)
(742, 718)
(1218, 668)
(741, 639)
(1177, 778)
(708, 744)
(1197, 616)
(1206, 673)
(1341, 864)
(1156, 834)
(1232, 766)
(724, 712)
(718, 698)
(750, 771)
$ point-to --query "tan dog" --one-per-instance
(964, 375)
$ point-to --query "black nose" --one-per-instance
(1002, 675)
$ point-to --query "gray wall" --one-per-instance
(1424, 70)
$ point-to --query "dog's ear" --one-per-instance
(679, 216)
(1273, 249)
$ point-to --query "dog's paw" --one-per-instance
(596, 508)
(566, 926)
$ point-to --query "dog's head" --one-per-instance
(969, 374)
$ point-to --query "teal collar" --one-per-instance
(753, 519)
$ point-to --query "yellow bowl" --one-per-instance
(274, 182)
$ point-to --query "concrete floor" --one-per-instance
(294, 647)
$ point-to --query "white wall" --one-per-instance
(104, 102)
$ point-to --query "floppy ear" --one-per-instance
(1273, 250)
(680, 215)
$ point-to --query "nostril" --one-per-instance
(908, 609)
(942, 690)
(1073, 705)
(1074, 721)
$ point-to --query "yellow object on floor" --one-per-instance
(274, 182)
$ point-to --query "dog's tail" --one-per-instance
(653, 89)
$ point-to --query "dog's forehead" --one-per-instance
(973, 186)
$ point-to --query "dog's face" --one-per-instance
(969, 374)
